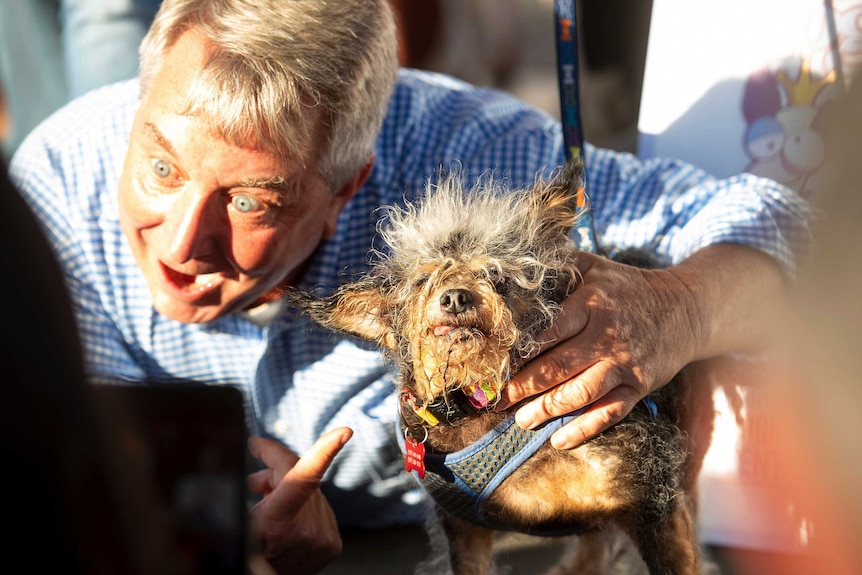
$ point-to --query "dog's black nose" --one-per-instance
(456, 301)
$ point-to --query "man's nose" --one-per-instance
(197, 222)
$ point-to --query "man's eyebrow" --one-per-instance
(277, 183)
(160, 138)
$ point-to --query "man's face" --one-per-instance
(213, 226)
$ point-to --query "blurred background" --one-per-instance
(512, 46)
(52, 50)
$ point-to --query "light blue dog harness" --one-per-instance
(462, 482)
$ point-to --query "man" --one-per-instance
(251, 158)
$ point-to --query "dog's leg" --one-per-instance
(599, 552)
(669, 547)
(470, 547)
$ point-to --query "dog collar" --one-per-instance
(470, 399)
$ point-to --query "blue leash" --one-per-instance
(570, 113)
(573, 133)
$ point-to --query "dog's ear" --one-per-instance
(556, 204)
(359, 308)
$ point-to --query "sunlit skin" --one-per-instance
(215, 227)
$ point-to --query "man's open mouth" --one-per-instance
(191, 283)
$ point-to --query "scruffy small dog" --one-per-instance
(470, 280)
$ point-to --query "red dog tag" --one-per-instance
(414, 456)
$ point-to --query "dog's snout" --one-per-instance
(456, 301)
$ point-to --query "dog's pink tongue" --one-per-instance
(442, 330)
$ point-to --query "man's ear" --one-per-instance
(340, 199)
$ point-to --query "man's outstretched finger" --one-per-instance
(304, 478)
(318, 458)
(272, 454)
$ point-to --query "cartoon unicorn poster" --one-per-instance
(739, 86)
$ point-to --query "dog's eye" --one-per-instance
(498, 280)
(549, 282)
(421, 281)
(501, 285)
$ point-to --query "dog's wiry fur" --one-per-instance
(470, 279)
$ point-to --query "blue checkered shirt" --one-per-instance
(300, 380)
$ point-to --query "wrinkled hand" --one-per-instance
(623, 333)
(293, 524)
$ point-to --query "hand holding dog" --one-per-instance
(293, 523)
(626, 331)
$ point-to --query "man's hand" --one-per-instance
(627, 331)
(293, 523)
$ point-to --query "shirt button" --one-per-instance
(281, 428)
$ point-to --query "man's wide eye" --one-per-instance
(244, 203)
(161, 168)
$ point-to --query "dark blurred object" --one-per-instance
(186, 442)
(67, 507)
(419, 24)
(614, 33)
(478, 41)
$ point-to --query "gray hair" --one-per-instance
(276, 67)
